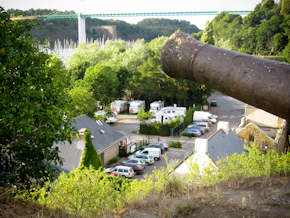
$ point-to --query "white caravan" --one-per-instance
(156, 106)
(200, 115)
(178, 111)
(160, 117)
(136, 106)
(119, 106)
(109, 119)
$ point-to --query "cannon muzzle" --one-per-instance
(260, 82)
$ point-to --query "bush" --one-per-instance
(155, 129)
(122, 152)
(174, 144)
(114, 160)
(186, 134)
(90, 156)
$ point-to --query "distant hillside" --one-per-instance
(61, 29)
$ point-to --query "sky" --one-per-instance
(137, 6)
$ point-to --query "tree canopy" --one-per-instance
(33, 98)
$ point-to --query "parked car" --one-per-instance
(147, 158)
(202, 124)
(160, 146)
(200, 128)
(213, 103)
(165, 145)
(193, 132)
(133, 161)
(205, 120)
(154, 152)
(122, 171)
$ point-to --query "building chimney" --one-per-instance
(224, 126)
(201, 145)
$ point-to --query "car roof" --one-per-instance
(122, 167)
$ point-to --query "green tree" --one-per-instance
(90, 156)
(82, 101)
(103, 82)
(32, 99)
(144, 116)
(207, 34)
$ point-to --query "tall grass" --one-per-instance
(238, 167)
(92, 193)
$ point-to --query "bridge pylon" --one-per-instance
(81, 28)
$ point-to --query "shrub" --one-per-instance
(90, 156)
(174, 144)
(114, 160)
(186, 134)
(122, 152)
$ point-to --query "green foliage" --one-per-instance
(81, 102)
(207, 34)
(90, 156)
(144, 116)
(155, 129)
(265, 31)
(87, 192)
(197, 35)
(103, 82)
(239, 166)
(187, 134)
(113, 160)
(33, 99)
(175, 144)
(122, 151)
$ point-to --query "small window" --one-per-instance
(125, 170)
(251, 138)
(121, 170)
(115, 170)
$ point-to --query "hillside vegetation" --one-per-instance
(61, 29)
(264, 32)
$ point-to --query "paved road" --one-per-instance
(228, 109)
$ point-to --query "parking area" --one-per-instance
(228, 109)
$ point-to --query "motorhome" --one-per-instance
(160, 117)
(119, 106)
(199, 115)
(178, 111)
(156, 106)
(110, 117)
(136, 106)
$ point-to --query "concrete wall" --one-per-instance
(110, 153)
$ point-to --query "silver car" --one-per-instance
(147, 158)
(165, 145)
(134, 161)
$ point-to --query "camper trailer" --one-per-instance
(136, 106)
(160, 117)
(156, 106)
(178, 111)
(119, 106)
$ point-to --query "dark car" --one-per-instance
(213, 103)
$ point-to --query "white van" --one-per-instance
(200, 115)
(154, 152)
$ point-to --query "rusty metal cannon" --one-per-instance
(260, 82)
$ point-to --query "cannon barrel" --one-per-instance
(260, 82)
